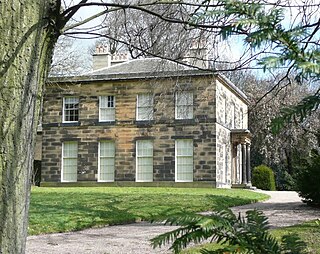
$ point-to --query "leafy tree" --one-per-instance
(295, 47)
(236, 234)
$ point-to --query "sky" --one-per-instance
(232, 49)
(83, 47)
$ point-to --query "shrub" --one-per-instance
(263, 178)
(308, 179)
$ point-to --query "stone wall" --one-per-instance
(232, 113)
(164, 129)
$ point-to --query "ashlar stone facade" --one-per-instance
(168, 128)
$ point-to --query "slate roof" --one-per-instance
(150, 65)
(146, 68)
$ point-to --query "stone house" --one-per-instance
(144, 122)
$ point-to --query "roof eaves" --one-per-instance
(233, 87)
(129, 76)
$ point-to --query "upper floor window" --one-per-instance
(70, 109)
(184, 105)
(107, 108)
(144, 107)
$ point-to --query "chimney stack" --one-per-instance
(102, 58)
(198, 54)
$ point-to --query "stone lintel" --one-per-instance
(241, 136)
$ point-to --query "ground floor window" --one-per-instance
(69, 161)
(106, 161)
(144, 161)
(184, 160)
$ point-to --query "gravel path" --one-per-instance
(283, 209)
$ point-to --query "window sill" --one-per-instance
(106, 123)
(70, 124)
(184, 121)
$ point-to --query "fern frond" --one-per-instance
(292, 244)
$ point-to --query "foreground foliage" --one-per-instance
(235, 234)
(309, 232)
(69, 209)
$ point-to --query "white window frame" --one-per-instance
(63, 160)
(108, 156)
(111, 109)
(138, 157)
(64, 109)
(188, 106)
(148, 107)
(186, 155)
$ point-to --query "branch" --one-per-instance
(67, 16)
(68, 13)
(85, 21)
(303, 109)
(276, 85)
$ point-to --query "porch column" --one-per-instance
(248, 169)
(244, 162)
(234, 164)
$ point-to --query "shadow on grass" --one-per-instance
(63, 214)
(70, 211)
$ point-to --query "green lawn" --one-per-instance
(309, 232)
(69, 209)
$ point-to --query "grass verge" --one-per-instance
(69, 209)
(309, 232)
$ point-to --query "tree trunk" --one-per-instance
(26, 42)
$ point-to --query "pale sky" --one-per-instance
(233, 49)
(83, 46)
